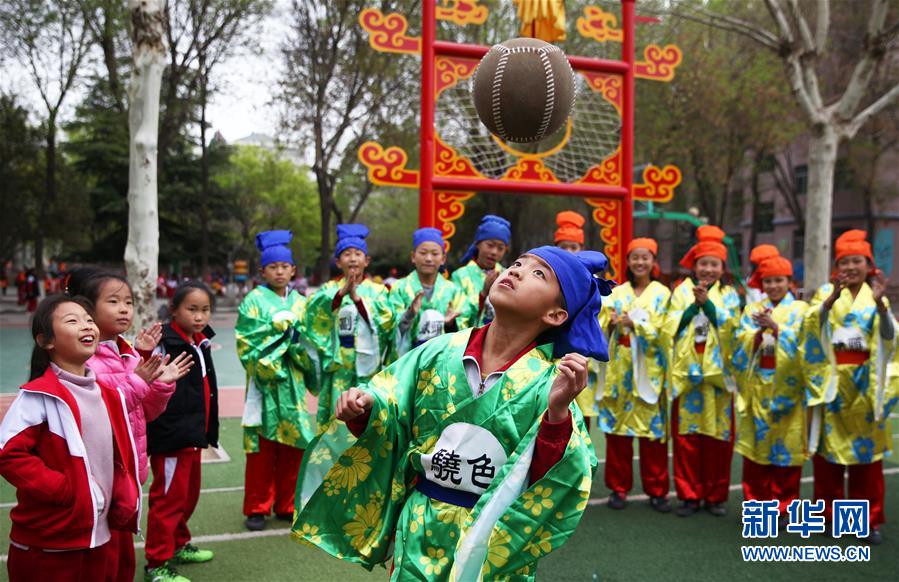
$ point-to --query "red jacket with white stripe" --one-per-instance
(42, 454)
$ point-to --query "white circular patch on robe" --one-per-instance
(466, 457)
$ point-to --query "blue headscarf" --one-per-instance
(273, 246)
(583, 291)
(351, 236)
(491, 227)
(427, 234)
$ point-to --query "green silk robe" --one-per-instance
(471, 279)
(429, 322)
(368, 497)
(281, 369)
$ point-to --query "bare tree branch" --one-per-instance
(879, 105)
(857, 87)
(722, 22)
(822, 25)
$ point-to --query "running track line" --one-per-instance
(228, 537)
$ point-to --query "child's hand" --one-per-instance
(450, 315)
(150, 369)
(148, 338)
(701, 293)
(568, 384)
(353, 403)
(416, 303)
(176, 369)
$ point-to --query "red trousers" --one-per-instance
(72, 566)
(865, 482)
(271, 478)
(619, 474)
(173, 498)
(120, 562)
(768, 482)
(701, 464)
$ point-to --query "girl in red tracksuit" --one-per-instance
(66, 446)
(175, 440)
(147, 380)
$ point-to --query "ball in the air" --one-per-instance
(524, 90)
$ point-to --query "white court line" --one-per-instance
(738, 486)
(284, 531)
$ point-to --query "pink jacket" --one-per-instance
(144, 402)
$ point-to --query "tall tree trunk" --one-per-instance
(756, 198)
(326, 200)
(204, 172)
(49, 199)
(822, 160)
(142, 250)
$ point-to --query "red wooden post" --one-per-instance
(426, 202)
(627, 122)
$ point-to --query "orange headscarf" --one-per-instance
(852, 242)
(644, 243)
(758, 255)
(650, 245)
(710, 244)
(571, 227)
(774, 267)
(761, 252)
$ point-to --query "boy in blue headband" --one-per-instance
(472, 456)
(349, 320)
(425, 304)
(481, 267)
(278, 421)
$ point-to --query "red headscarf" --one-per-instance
(571, 227)
(650, 245)
(710, 244)
(774, 267)
(852, 242)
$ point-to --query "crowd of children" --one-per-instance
(444, 422)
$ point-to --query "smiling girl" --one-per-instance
(634, 393)
(850, 359)
(700, 324)
(147, 380)
(771, 412)
(66, 446)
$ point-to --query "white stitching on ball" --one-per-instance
(496, 97)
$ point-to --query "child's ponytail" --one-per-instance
(42, 325)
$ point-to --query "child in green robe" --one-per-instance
(472, 459)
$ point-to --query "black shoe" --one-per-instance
(687, 508)
(616, 501)
(284, 516)
(874, 537)
(660, 504)
(255, 522)
(717, 509)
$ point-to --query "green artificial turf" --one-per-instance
(635, 544)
